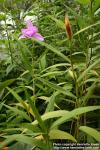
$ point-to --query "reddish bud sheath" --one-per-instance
(68, 28)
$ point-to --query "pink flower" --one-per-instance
(31, 31)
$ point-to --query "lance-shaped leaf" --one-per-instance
(74, 113)
(58, 134)
(92, 132)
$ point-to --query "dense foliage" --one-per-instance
(49, 90)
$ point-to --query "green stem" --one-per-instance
(72, 67)
(35, 111)
(9, 45)
(88, 59)
(91, 22)
(77, 94)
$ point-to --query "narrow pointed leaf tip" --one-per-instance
(68, 28)
(31, 32)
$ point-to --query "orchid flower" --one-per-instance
(31, 31)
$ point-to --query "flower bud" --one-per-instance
(4, 148)
(68, 28)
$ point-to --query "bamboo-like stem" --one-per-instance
(9, 45)
(76, 132)
(35, 110)
(88, 59)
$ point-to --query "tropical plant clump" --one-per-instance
(50, 74)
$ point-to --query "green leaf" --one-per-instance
(22, 138)
(53, 49)
(2, 16)
(54, 73)
(88, 69)
(20, 146)
(90, 92)
(50, 106)
(42, 63)
(58, 22)
(29, 126)
(71, 10)
(74, 113)
(86, 28)
(52, 114)
(20, 112)
(55, 66)
(92, 132)
(13, 129)
(97, 12)
(29, 110)
(58, 134)
(10, 68)
(35, 111)
(6, 83)
(18, 98)
(97, 1)
(84, 2)
(57, 87)
(24, 50)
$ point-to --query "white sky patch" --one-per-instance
(33, 18)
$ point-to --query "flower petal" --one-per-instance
(27, 32)
(30, 26)
(38, 37)
(22, 37)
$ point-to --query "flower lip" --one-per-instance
(28, 32)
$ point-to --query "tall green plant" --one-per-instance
(53, 95)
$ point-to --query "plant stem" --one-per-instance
(35, 110)
(9, 45)
(92, 21)
(88, 59)
(76, 132)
